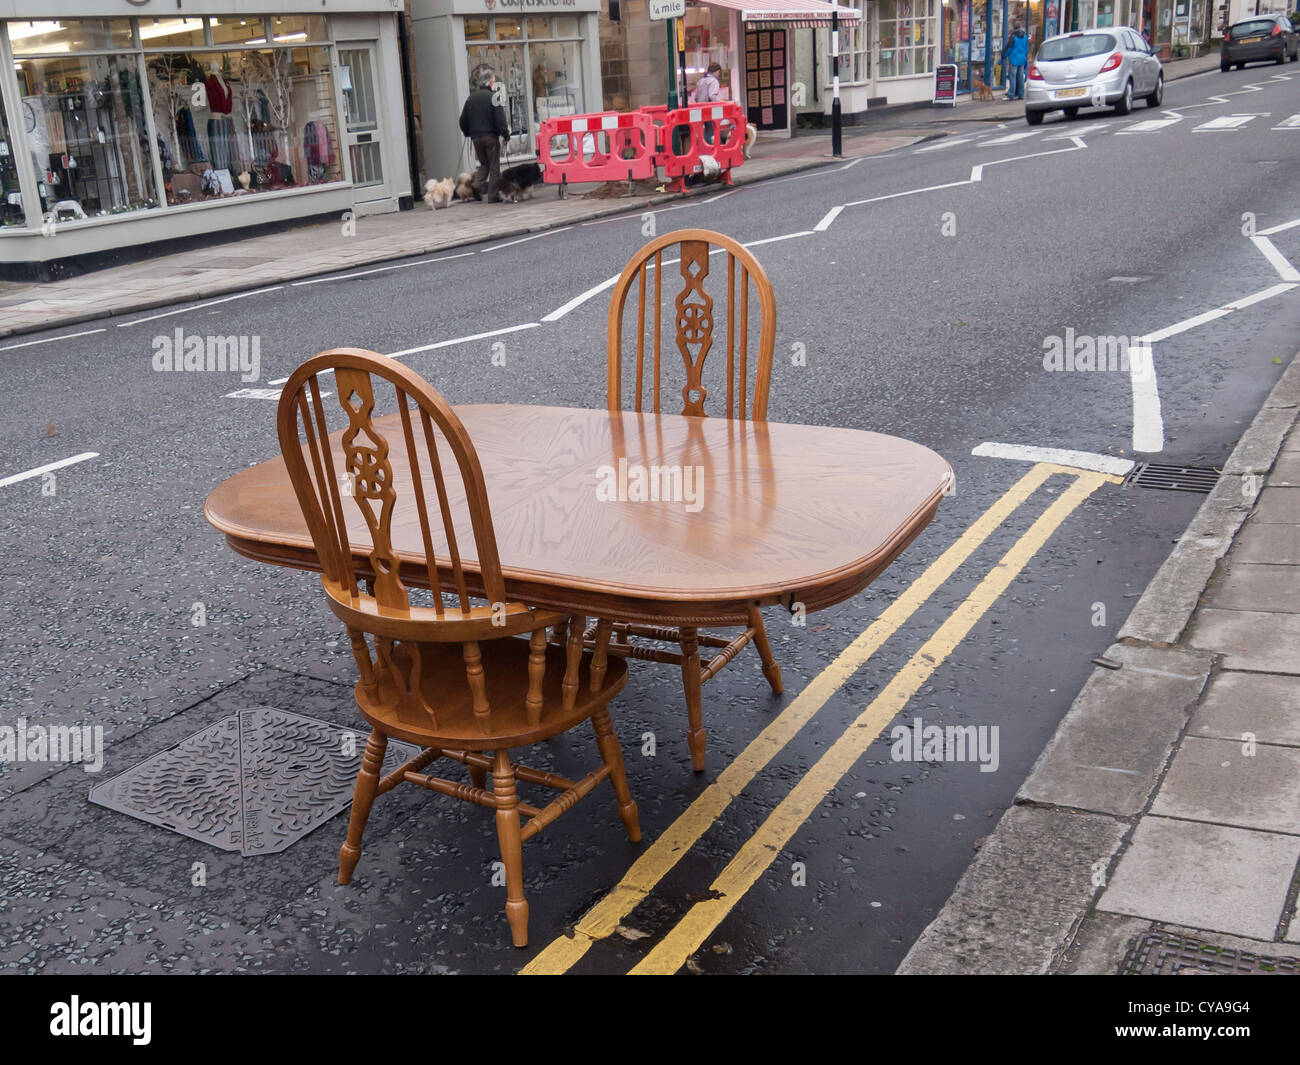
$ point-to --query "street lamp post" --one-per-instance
(836, 145)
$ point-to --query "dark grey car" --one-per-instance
(1263, 38)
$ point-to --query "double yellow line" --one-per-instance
(761, 849)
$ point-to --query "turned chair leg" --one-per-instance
(512, 854)
(477, 776)
(362, 799)
(770, 669)
(612, 756)
(693, 682)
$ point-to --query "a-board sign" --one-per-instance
(945, 84)
(666, 9)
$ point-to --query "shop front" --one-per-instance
(120, 129)
(545, 55)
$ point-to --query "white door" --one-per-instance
(362, 121)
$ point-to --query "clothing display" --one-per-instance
(220, 98)
(221, 142)
(188, 146)
(319, 149)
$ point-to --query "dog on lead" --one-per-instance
(517, 182)
(437, 194)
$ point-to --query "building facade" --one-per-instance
(544, 53)
(133, 122)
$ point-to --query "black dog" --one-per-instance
(517, 182)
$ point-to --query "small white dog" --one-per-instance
(437, 194)
(751, 135)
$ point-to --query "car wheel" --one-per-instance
(1034, 118)
(1070, 112)
(1224, 66)
(1158, 94)
(1241, 66)
(1281, 58)
(1125, 103)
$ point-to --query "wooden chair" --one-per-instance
(694, 319)
(460, 681)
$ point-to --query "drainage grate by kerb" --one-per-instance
(1167, 954)
(255, 782)
(1174, 478)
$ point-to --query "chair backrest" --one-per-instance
(358, 471)
(693, 316)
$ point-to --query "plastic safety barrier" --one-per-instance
(605, 146)
(634, 145)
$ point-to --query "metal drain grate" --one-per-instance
(255, 782)
(1166, 954)
(1174, 478)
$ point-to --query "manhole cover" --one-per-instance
(1166, 954)
(1174, 478)
(255, 782)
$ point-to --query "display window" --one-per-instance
(537, 61)
(708, 40)
(11, 197)
(236, 110)
(907, 32)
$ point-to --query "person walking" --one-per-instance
(1015, 54)
(707, 90)
(484, 123)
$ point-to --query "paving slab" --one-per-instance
(1265, 704)
(1204, 876)
(1016, 908)
(1278, 504)
(1286, 471)
(1249, 639)
(1217, 780)
(1275, 544)
(1109, 751)
(1256, 586)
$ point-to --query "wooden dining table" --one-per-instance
(781, 514)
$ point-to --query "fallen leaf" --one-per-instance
(632, 934)
(49, 429)
(721, 948)
(694, 966)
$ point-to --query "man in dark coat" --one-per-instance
(484, 123)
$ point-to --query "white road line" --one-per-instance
(774, 240)
(913, 192)
(1148, 419)
(524, 240)
(1149, 125)
(1289, 123)
(827, 219)
(1224, 124)
(1218, 312)
(1280, 263)
(940, 145)
(1278, 229)
(1082, 460)
(381, 269)
(579, 300)
(853, 162)
(200, 306)
(1010, 138)
(51, 340)
(439, 344)
(28, 474)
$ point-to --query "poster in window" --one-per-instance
(751, 79)
(764, 59)
(764, 41)
(778, 77)
(765, 98)
(766, 119)
(778, 58)
(764, 79)
(778, 96)
(752, 100)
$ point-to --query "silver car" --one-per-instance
(1108, 67)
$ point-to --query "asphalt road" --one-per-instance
(922, 313)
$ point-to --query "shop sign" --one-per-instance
(945, 84)
(666, 9)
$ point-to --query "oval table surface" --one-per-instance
(783, 513)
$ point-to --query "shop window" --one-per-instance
(507, 29)
(293, 29)
(11, 197)
(243, 122)
(567, 25)
(538, 27)
(476, 29)
(908, 30)
(238, 31)
(557, 88)
(71, 35)
(87, 135)
(708, 40)
(172, 33)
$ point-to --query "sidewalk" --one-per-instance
(312, 250)
(1159, 831)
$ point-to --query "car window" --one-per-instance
(1076, 47)
(1253, 27)
(1135, 44)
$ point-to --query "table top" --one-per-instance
(781, 513)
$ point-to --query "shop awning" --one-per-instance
(787, 12)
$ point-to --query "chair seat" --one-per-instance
(505, 668)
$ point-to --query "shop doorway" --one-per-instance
(362, 137)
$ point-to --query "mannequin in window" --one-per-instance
(221, 130)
